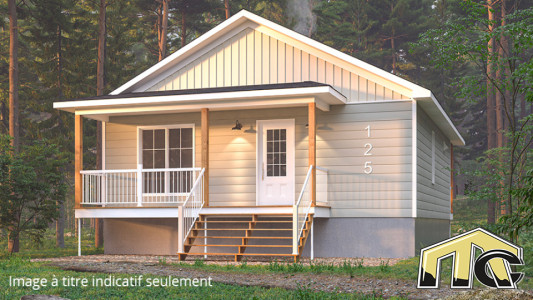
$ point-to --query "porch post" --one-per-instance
(78, 160)
(312, 148)
(205, 153)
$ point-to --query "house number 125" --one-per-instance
(368, 164)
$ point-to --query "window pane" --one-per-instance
(270, 147)
(174, 158)
(270, 171)
(276, 134)
(276, 159)
(174, 138)
(159, 139)
(270, 135)
(282, 158)
(186, 138)
(148, 139)
(159, 159)
(276, 146)
(283, 147)
(282, 134)
(270, 159)
(276, 170)
(186, 158)
(283, 171)
(148, 159)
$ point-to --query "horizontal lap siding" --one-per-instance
(232, 154)
(253, 57)
(341, 139)
(433, 200)
(341, 136)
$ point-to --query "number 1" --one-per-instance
(368, 129)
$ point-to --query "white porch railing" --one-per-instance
(190, 210)
(301, 212)
(137, 187)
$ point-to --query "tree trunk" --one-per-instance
(163, 34)
(60, 222)
(183, 27)
(491, 122)
(13, 76)
(100, 86)
(13, 242)
(226, 8)
(60, 226)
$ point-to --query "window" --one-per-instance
(276, 152)
(167, 148)
(433, 157)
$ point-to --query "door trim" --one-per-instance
(259, 152)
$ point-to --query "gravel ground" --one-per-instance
(387, 288)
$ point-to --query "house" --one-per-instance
(256, 140)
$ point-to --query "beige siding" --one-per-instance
(342, 136)
(341, 139)
(252, 57)
(433, 199)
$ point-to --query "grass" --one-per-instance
(18, 267)
(405, 269)
(47, 246)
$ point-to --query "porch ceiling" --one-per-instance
(240, 97)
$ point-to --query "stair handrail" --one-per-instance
(298, 219)
(189, 211)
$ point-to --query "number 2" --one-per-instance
(367, 152)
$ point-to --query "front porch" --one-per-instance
(166, 182)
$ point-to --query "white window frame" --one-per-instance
(166, 128)
(433, 157)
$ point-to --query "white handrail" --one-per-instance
(190, 210)
(303, 204)
(135, 170)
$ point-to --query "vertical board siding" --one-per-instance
(341, 139)
(251, 57)
(433, 199)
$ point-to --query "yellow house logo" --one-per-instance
(492, 268)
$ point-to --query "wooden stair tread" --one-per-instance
(240, 254)
(237, 229)
(256, 246)
(244, 237)
(212, 221)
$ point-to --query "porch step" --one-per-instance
(248, 245)
(243, 235)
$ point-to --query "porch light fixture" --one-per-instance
(238, 126)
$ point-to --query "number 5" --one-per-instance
(368, 167)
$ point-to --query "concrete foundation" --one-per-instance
(334, 237)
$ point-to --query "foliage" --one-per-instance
(31, 182)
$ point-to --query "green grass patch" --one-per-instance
(18, 267)
(46, 247)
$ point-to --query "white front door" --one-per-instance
(275, 162)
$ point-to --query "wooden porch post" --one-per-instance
(311, 111)
(205, 152)
(78, 159)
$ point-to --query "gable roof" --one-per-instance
(231, 27)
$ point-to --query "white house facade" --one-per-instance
(254, 140)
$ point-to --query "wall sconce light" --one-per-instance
(238, 126)
(307, 125)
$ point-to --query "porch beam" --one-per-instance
(78, 160)
(311, 112)
(205, 152)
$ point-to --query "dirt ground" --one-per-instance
(134, 264)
